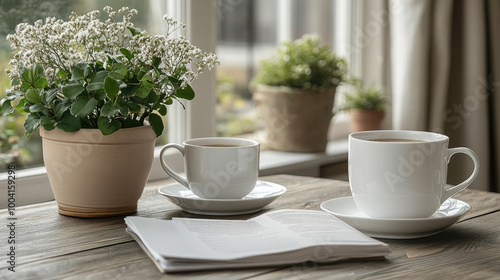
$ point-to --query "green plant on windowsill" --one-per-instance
(295, 92)
(366, 106)
(90, 73)
(365, 98)
(305, 64)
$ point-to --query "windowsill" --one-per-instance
(32, 185)
(307, 164)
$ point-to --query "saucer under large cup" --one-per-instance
(263, 194)
(345, 209)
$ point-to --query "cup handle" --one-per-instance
(462, 186)
(181, 179)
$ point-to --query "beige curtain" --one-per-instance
(445, 65)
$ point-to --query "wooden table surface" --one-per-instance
(52, 246)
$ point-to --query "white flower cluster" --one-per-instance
(58, 45)
(176, 55)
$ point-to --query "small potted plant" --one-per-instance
(97, 90)
(366, 107)
(294, 92)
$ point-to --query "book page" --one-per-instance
(189, 239)
(238, 238)
(316, 227)
(274, 232)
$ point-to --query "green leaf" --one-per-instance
(100, 76)
(62, 74)
(109, 109)
(108, 126)
(47, 123)
(80, 71)
(36, 71)
(133, 107)
(40, 83)
(69, 123)
(156, 123)
(185, 93)
(174, 81)
(6, 108)
(156, 62)
(144, 89)
(36, 108)
(32, 123)
(126, 53)
(111, 87)
(147, 78)
(50, 95)
(153, 97)
(116, 76)
(72, 90)
(83, 106)
(142, 92)
(129, 90)
(122, 106)
(100, 94)
(131, 123)
(97, 81)
(15, 81)
(93, 86)
(120, 68)
(61, 108)
(162, 110)
(135, 31)
(20, 105)
(33, 96)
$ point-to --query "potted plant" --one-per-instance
(294, 92)
(97, 90)
(366, 107)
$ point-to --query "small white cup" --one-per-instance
(402, 179)
(217, 167)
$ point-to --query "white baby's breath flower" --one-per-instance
(59, 45)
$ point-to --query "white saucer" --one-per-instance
(345, 209)
(263, 194)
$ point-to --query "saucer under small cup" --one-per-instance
(448, 214)
(263, 194)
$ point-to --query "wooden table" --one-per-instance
(52, 246)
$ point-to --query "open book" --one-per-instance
(274, 238)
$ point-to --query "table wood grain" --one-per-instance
(52, 246)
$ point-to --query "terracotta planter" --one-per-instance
(362, 120)
(295, 120)
(93, 175)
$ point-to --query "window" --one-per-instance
(241, 32)
(250, 31)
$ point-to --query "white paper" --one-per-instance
(278, 237)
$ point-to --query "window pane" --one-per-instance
(14, 148)
(248, 32)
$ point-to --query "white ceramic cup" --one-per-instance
(217, 167)
(402, 179)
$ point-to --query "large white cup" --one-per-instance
(405, 178)
(217, 167)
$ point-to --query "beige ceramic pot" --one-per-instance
(362, 120)
(295, 120)
(93, 175)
